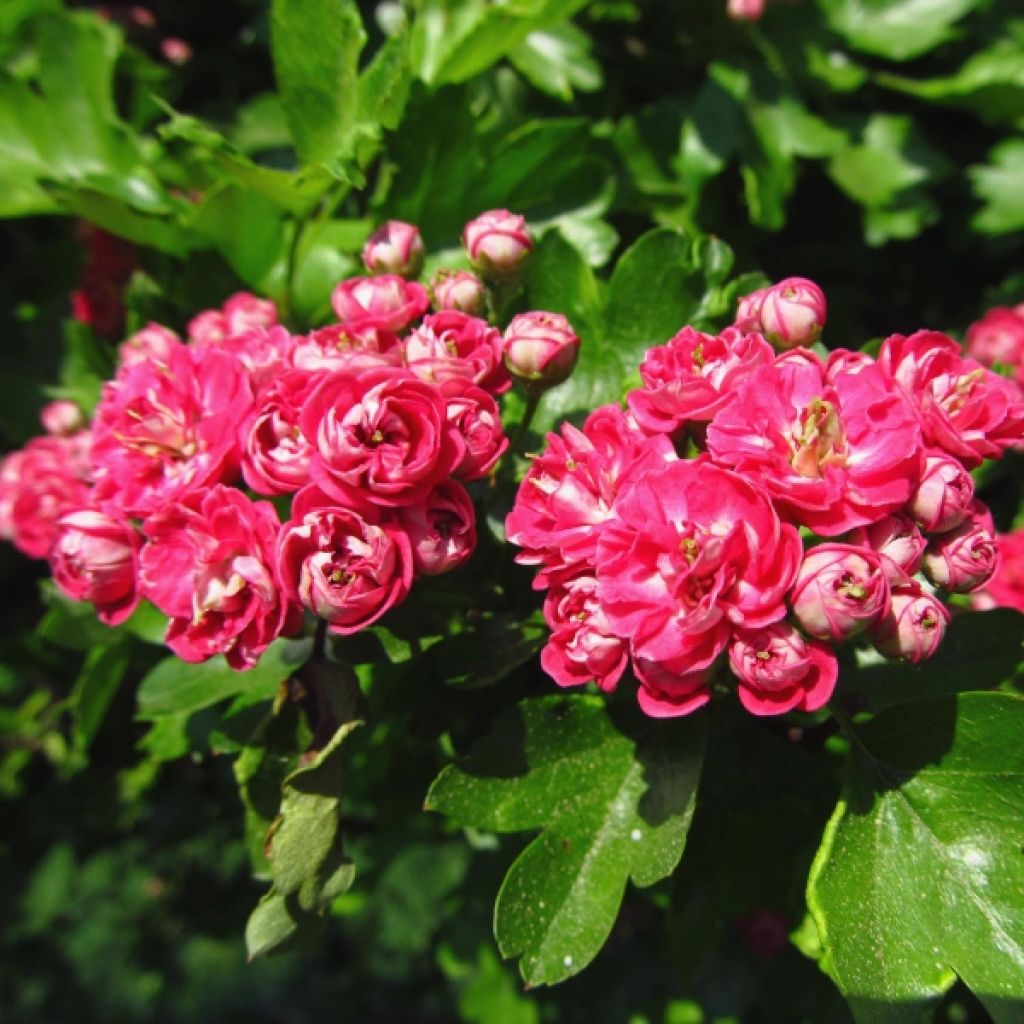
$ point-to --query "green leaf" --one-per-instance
(247, 229)
(488, 651)
(655, 288)
(897, 29)
(611, 807)
(979, 649)
(999, 184)
(94, 689)
(557, 61)
(174, 685)
(920, 874)
(884, 172)
(310, 817)
(990, 83)
(316, 45)
(270, 926)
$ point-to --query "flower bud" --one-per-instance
(441, 529)
(460, 290)
(61, 418)
(748, 311)
(745, 10)
(94, 558)
(780, 671)
(839, 592)
(792, 312)
(914, 626)
(897, 540)
(998, 337)
(387, 302)
(394, 248)
(540, 349)
(498, 243)
(943, 495)
(152, 343)
(966, 557)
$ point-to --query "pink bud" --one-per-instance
(94, 558)
(459, 290)
(792, 312)
(914, 626)
(897, 540)
(540, 349)
(998, 337)
(839, 591)
(943, 495)
(152, 343)
(177, 51)
(61, 418)
(394, 248)
(966, 557)
(498, 243)
(748, 311)
(387, 302)
(780, 671)
(441, 529)
(745, 10)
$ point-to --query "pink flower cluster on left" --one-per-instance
(750, 510)
(372, 427)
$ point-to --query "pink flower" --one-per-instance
(914, 626)
(567, 495)
(998, 337)
(897, 541)
(210, 327)
(262, 351)
(964, 409)
(460, 290)
(381, 435)
(208, 564)
(38, 485)
(162, 431)
(792, 312)
(95, 558)
(779, 671)
(441, 529)
(693, 375)
(841, 591)
(582, 646)
(540, 349)
(394, 248)
(843, 360)
(943, 495)
(965, 558)
(387, 302)
(244, 312)
(152, 344)
(476, 417)
(668, 689)
(1005, 589)
(832, 455)
(498, 243)
(347, 567)
(452, 344)
(275, 453)
(748, 312)
(61, 418)
(341, 347)
(691, 552)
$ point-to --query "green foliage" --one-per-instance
(627, 820)
(920, 872)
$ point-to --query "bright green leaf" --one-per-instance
(557, 61)
(897, 29)
(94, 689)
(610, 808)
(1000, 186)
(174, 685)
(920, 873)
(316, 45)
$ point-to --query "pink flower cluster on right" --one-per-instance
(751, 510)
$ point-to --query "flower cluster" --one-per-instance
(368, 431)
(821, 486)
